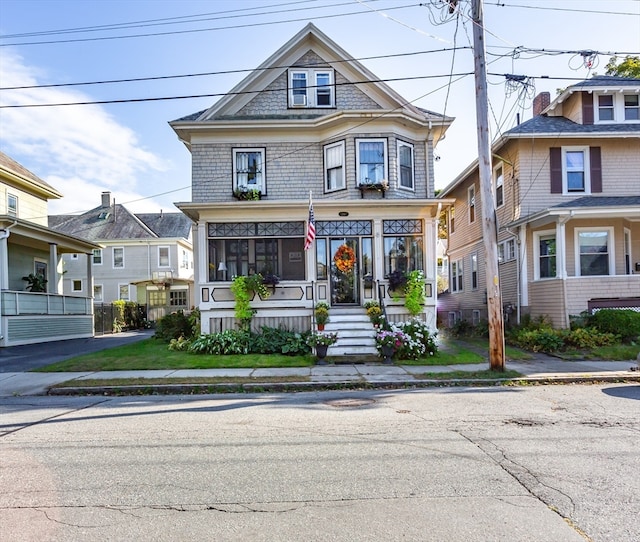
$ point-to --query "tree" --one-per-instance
(628, 67)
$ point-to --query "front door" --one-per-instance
(344, 271)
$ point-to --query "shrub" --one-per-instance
(231, 341)
(624, 322)
(180, 345)
(589, 338)
(174, 326)
(538, 340)
(281, 341)
(420, 341)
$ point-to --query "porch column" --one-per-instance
(4, 260)
(378, 248)
(561, 249)
(522, 262)
(201, 257)
(54, 276)
(90, 275)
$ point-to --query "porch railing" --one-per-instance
(22, 303)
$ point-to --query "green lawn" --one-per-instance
(466, 375)
(151, 354)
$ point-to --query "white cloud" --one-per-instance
(79, 150)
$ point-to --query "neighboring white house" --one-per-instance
(311, 120)
(29, 247)
(144, 257)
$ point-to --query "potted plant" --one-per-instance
(321, 314)
(321, 341)
(388, 342)
(246, 193)
(374, 312)
(37, 283)
(269, 279)
(397, 280)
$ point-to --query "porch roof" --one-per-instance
(586, 207)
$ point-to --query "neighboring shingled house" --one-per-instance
(567, 190)
(36, 312)
(146, 257)
(312, 120)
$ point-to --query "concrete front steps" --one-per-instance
(356, 336)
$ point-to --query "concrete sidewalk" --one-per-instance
(541, 369)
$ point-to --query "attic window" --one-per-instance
(311, 88)
(104, 215)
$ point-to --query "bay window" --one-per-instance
(371, 161)
(334, 166)
(405, 165)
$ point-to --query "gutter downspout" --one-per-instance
(518, 274)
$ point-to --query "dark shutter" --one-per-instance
(555, 160)
(587, 108)
(596, 169)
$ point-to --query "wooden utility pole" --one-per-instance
(489, 227)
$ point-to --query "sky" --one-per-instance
(128, 147)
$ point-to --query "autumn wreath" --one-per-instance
(345, 258)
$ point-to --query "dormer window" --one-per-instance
(311, 88)
(617, 107)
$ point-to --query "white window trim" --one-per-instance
(471, 203)
(587, 171)
(475, 317)
(339, 144)
(101, 287)
(113, 254)
(618, 108)
(496, 177)
(626, 236)
(311, 94)
(73, 283)
(12, 210)
(411, 188)
(610, 247)
(128, 286)
(168, 256)
(98, 250)
(459, 274)
(240, 150)
(474, 269)
(536, 253)
(385, 160)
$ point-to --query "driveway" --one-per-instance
(28, 357)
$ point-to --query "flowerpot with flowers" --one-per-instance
(321, 341)
(388, 342)
(374, 312)
(321, 314)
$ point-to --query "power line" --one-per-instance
(225, 72)
(570, 10)
(177, 32)
(213, 95)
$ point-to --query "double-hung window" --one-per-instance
(96, 256)
(163, 257)
(545, 249)
(575, 166)
(12, 205)
(97, 292)
(334, 166)
(498, 178)
(118, 257)
(371, 161)
(471, 202)
(248, 170)
(456, 276)
(605, 107)
(594, 251)
(474, 271)
(311, 88)
(631, 107)
(405, 165)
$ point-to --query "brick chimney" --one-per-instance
(541, 102)
(106, 199)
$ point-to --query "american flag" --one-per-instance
(311, 227)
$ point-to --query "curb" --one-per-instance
(289, 387)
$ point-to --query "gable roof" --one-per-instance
(17, 173)
(115, 222)
(310, 38)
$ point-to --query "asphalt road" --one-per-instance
(540, 463)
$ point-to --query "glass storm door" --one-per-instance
(344, 271)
